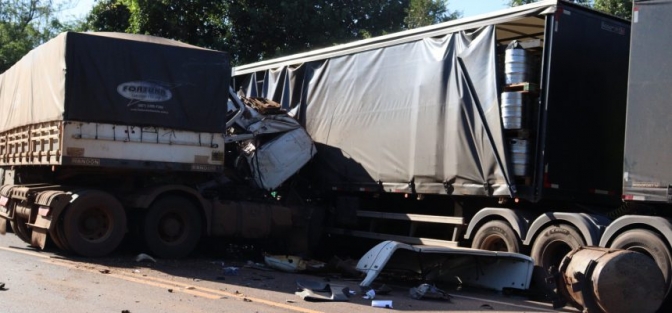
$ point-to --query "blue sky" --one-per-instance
(475, 7)
(468, 7)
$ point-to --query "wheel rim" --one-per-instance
(94, 224)
(554, 253)
(494, 243)
(173, 227)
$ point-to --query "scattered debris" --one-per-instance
(347, 267)
(292, 264)
(370, 294)
(288, 263)
(190, 288)
(471, 267)
(144, 257)
(170, 290)
(125, 311)
(486, 307)
(196, 279)
(2, 285)
(382, 304)
(427, 291)
(257, 266)
(136, 271)
(105, 271)
(290, 301)
(383, 290)
(320, 291)
(247, 300)
(231, 271)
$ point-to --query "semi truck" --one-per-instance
(104, 134)
(536, 129)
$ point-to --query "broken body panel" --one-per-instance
(471, 267)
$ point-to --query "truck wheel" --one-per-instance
(649, 243)
(94, 224)
(496, 236)
(20, 229)
(56, 234)
(553, 244)
(172, 227)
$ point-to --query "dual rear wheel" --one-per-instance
(95, 223)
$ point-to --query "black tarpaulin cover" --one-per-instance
(118, 79)
(424, 112)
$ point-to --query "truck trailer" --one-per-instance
(517, 131)
(104, 134)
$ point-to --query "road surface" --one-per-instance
(45, 281)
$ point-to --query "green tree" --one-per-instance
(198, 22)
(428, 12)
(25, 24)
(253, 30)
(107, 15)
(621, 8)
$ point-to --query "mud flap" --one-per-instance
(39, 238)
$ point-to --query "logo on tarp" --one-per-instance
(144, 91)
(144, 95)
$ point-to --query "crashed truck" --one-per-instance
(104, 134)
(504, 131)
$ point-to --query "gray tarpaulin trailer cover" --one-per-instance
(419, 111)
(648, 138)
(444, 126)
(118, 79)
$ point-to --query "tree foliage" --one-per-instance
(621, 8)
(252, 30)
(428, 12)
(25, 24)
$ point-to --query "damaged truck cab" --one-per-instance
(106, 134)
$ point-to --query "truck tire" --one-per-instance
(20, 229)
(93, 224)
(172, 227)
(553, 244)
(649, 243)
(496, 236)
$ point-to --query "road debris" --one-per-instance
(190, 288)
(595, 279)
(427, 291)
(382, 304)
(2, 286)
(321, 291)
(125, 311)
(292, 264)
(470, 267)
(231, 271)
(370, 294)
(170, 290)
(144, 257)
(105, 271)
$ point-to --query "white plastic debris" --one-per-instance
(144, 257)
(369, 295)
(382, 304)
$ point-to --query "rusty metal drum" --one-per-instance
(597, 279)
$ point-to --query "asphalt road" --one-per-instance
(45, 281)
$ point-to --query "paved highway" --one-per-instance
(44, 281)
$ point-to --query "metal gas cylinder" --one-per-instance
(606, 280)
